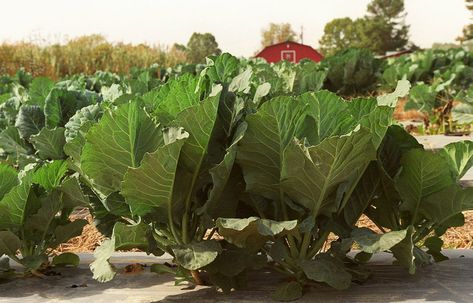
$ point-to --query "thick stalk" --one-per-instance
(290, 239)
(187, 210)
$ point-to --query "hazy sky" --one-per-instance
(236, 24)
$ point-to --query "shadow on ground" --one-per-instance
(448, 281)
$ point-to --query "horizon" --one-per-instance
(167, 23)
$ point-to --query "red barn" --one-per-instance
(289, 51)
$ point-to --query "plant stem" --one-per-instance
(196, 276)
(187, 210)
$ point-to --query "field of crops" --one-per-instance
(225, 164)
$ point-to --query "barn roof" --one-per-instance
(286, 42)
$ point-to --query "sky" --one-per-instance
(236, 24)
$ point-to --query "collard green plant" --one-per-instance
(353, 71)
(164, 167)
(413, 191)
(301, 159)
(34, 213)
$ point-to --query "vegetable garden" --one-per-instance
(238, 165)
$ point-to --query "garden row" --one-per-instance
(243, 166)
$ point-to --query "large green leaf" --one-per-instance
(287, 292)
(13, 204)
(61, 104)
(173, 97)
(72, 194)
(130, 236)
(39, 90)
(49, 143)
(223, 68)
(371, 242)
(49, 176)
(199, 121)
(260, 151)
(30, 120)
(9, 243)
(252, 232)
(118, 141)
(331, 114)
(326, 269)
(196, 255)
(8, 179)
(423, 173)
(11, 143)
(312, 174)
(85, 115)
(152, 184)
(226, 182)
(463, 113)
(460, 155)
(64, 233)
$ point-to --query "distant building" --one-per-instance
(396, 54)
(289, 51)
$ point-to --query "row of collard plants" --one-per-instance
(227, 173)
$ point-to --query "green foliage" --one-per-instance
(231, 164)
(201, 46)
(277, 33)
(383, 29)
(352, 71)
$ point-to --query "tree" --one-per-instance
(276, 33)
(201, 46)
(339, 34)
(382, 29)
(467, 30)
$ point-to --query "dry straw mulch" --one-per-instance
(457, 237)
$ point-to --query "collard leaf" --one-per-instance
(162, 269)
(463, 113)
(312, 174)
(130, 236)
(11, 143)
(8, 179)
(460, 156)
(9, 243)
(402, 90)
(260, 151)
(85, 115)
(371, 242)
(39, 90)
(49, 143)
(241, 83)
(253, 232)
(196, 255)
(404, 251)
(30, 120)
(118, 141)
(66, 259)
(101, 268)
(64, 233)
(287, 292)
(423, 173)
(61, 104)
(72, 194)
(13, 205)
(49, 176)
(326, 269)
(152, 184)
(174, 97)
(223, 68)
